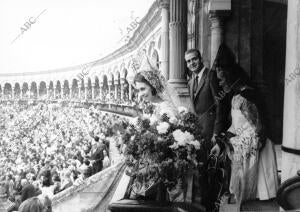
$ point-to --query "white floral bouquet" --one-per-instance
(160, 150)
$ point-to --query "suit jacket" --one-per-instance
(28, 191)
(208, 109)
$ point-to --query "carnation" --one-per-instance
(182, 109)
(163, 127)
(147, 116)
(134, 121)
(173, 120)
(153, 119)
(179, 137)
(182, 137)
(196, 144)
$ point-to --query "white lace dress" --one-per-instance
(254, 171)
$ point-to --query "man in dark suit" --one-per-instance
(204, 88)
(204, 91)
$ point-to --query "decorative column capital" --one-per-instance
(219, 15)
(214, 5)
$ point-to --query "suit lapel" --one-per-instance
(201, 83)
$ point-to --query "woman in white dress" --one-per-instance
(253, 169)
(152, 87)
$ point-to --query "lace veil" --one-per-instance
(149, 71)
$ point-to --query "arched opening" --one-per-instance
(66, 90)
(89, 89)
(75, 89)
(25, 90)
(58, 90)
(42, 90)
(17, 91)
(51, 89)
(105, 94)
(33, 90)
(97, 88)
(7, 90)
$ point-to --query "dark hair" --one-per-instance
(237, 74)
(46, 181)
(225, 59)
(140, 78)
(86, 162)
(189, 51)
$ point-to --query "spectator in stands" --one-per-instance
(36, 204)
(28, 190)
(4, 188)
(106, 160)
(66, 181)
(97, 155)
(41, 141)
(86, 169)
(46, 187)
(57, 184)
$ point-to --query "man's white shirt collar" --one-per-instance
(200, 74)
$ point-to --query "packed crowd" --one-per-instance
(46, 148)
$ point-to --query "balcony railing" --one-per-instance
(121, 109)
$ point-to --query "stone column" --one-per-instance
(79, 89)
(48, 92)
(291, 118)
(218, 12)
(193, 21)
(59, 93)
(109, 88)
(54, 92)
(37, 92)
(130, 91)
(122, 81)
(21, 93)
(86, 91)
(71, 94)
(93, 91)
(165, 5)
(116, 89)
(100, 90)
(13, 92)
(178, 44)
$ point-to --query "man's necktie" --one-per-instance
(195, 84)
